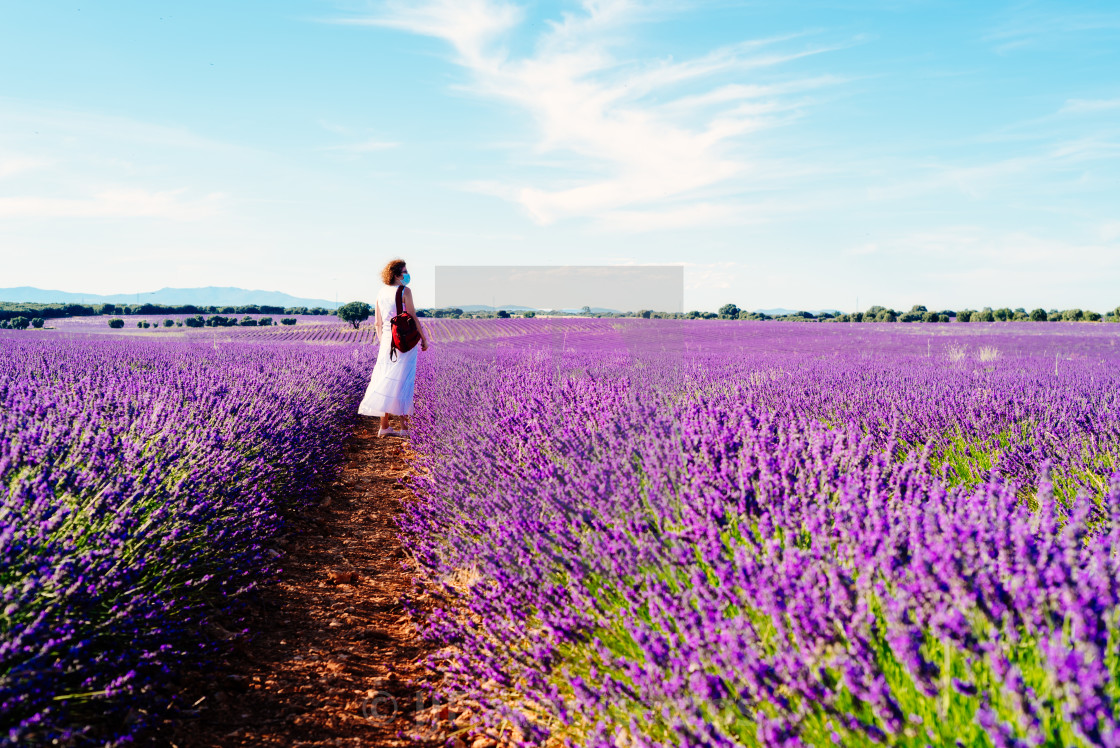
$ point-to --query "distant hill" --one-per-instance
(208, 296)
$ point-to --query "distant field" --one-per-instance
(316, 329)
(776, 532)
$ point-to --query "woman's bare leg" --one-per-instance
(384, 421)
(404, 422)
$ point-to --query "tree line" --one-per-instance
(21, 316)
(10, 310)
(919, 313)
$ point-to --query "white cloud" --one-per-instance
(12, 164)
(113, 203)
(469, 25)
(697, 214)
(624, 123)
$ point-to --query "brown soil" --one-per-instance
(330, 657)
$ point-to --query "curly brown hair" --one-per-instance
(393, 271)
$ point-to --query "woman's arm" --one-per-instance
(411, 309)
(377, 322)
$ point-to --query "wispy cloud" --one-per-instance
(113, 203)
(1033, 24)
(12, 164)
(1028, 170)
(362, 141)
(1013, 251)
(22, 116)
(1090, 105)
(364, 146)
(646, 140)
(469, 25)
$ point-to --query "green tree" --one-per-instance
(1092, 316)
(1038, 315)
(931, 317)
(503, 314)
(919, 308)
(116, 324)
(984, 315)
(729, 311)
(1003, 315)
(37, 322)
(529, 314)
(288, 321)
(1073, 315)
(355, 313)
(169, 323)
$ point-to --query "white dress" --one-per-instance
(390, 388)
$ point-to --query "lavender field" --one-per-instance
(679, 533)
(141, 481)
(642, 532)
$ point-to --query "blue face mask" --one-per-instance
(405, 279)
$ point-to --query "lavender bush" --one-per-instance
(140, 482)
(735, 533)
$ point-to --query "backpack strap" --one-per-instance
(400, 299)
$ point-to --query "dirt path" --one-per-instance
(329, 660)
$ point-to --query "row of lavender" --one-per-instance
(140, 483)
(778, 535)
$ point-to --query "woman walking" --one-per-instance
(390, 388)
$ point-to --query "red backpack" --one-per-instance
(405, 333)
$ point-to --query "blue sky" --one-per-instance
(797, 154)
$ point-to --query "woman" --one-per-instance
(390, 388)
